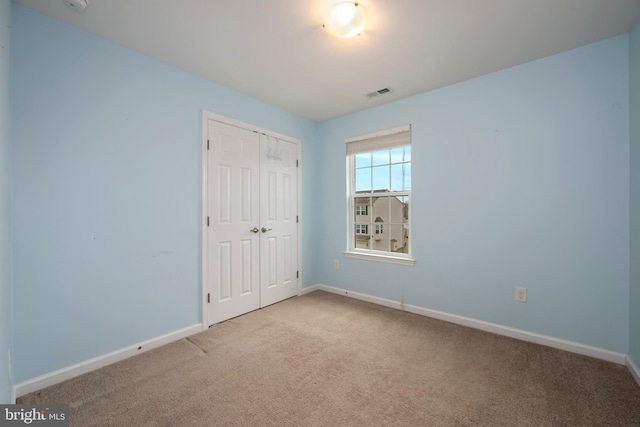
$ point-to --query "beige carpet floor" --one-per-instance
(328, 360)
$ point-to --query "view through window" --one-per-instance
(380, 193)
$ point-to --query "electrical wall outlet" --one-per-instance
(336, 264)
(521, 294)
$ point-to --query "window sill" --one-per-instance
(381, 258)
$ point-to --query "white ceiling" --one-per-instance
(278, 52)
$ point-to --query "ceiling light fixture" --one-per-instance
(77, 5)
(345, 19)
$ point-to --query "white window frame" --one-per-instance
(392, 138)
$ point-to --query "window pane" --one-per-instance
(361, 207)
(381, 178)
(362, 228)
(401, 177)
(398, 239)
(404, 200)
(363, 160)
(362, 241)
(407, 177)
(362, 237)
(380, 210)
(363, 180)
(399, 155)
(380, 242)
(380, 157)
(388, 210)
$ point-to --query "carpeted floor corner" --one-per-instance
(327, 360)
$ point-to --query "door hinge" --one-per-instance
(297, 163)
(298, 274)
(209, 298)
(207, 221)
(207, 144)
(297, 219)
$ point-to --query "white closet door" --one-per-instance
(233, 210)
(251, 251)
(278, 220)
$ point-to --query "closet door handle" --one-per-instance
(264, 230)
(254, 230)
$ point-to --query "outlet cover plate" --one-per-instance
(521, 294)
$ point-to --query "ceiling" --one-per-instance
(278, 52)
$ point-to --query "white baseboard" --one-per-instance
(633, 368)
(570, 346)
(308, 289)
(73, 371)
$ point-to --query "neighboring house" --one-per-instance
(381, 224)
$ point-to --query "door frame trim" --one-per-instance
(206, 116)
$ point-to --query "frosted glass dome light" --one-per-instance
(345, 19)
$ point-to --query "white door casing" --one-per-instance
(251, 226)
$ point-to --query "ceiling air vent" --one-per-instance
(378, 92)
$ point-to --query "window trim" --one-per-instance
(380, 257)
(371, 254)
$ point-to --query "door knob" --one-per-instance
(264, 230)
(254, 230)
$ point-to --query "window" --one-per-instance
(379, 167)
(362, 210)
(362, 229)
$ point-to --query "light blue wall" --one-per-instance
(5, 234)
(634, 101)
(107, 184)
(520, 178)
